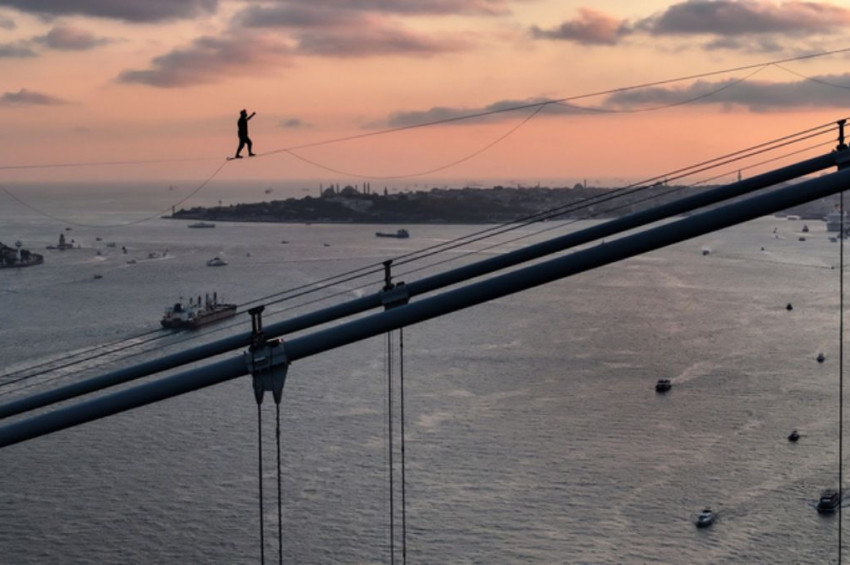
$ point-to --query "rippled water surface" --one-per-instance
(533, 433)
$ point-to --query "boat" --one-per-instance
(820, 358)
(663, 385)
(197, 313)
(829, 501)
(833, 221)
(202, 225)
(805, 229)
(706, 518)
(216, 262)
(401, 234)
(794, 436)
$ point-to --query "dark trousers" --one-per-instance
(243, 141)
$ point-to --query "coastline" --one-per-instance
(458, 206)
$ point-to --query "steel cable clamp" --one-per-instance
(266, 360)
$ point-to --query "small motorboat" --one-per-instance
(794, 436)
(805, 229)
(216, 262)
(820, 358)
(706, 518)
(829, 501)
(663, 385)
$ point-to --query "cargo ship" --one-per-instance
(197, 313)
(401, 234)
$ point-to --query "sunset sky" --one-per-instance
(144, 80)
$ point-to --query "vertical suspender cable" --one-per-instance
(841, 375)
(390, 430)
(279, 496)
(403, 479)
(260, 463)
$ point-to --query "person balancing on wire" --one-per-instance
(244, 140)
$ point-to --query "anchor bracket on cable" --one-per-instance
(266, 360)
(393, 294)
(842, 155)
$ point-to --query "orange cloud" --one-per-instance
(591, 27)
(209, 60)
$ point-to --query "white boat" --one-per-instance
(833, 221)
(216, 262)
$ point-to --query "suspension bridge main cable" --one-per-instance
(587, 202)
(429, 251)
(614, 194)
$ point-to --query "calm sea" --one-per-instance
(533, 433)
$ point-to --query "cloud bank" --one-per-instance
(68, 38)
(753, 25)
(25, 97)
(831, 91)
(497, 111)
(137, 11)
(18, 50)
(590, 28)
(207, 60)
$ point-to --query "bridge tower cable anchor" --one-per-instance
(268, 364)
(393, 294)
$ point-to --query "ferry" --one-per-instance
(197, 313)
(401, 234)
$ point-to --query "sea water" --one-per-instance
(532, 430)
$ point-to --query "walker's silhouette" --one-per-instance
(244, 140)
